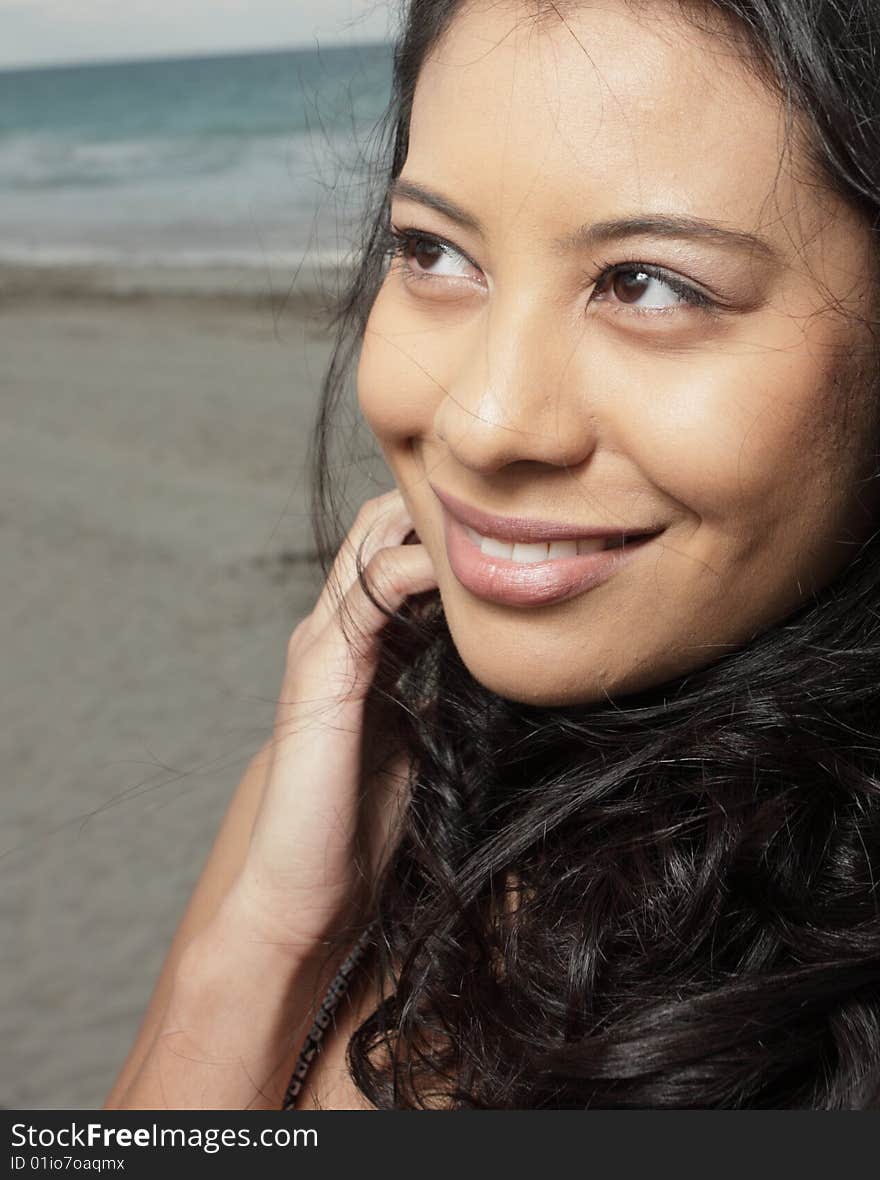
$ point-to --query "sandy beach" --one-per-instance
(156, 555)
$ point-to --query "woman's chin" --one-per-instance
(515, 677)
(543, 679)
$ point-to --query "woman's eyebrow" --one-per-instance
(426, 196)
(591, 235)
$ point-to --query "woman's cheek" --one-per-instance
(399, 377)
(742, 433)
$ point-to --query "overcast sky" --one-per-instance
(36, 32)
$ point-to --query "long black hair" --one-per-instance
(667, 900)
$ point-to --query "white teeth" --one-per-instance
(563, 548)
(492, 547)
(530, 552)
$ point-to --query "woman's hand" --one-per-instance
(324, 825)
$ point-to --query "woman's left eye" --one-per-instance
(630, 282)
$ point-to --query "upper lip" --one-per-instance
(521, 528)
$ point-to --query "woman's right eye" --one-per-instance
(426, 257)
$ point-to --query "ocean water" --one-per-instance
(231, 160)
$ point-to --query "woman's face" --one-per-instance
(558, 362)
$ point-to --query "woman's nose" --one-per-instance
(519, 395)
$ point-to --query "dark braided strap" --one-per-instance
(334, 994)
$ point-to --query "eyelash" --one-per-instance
(398, 240)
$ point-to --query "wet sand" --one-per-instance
(156, 555)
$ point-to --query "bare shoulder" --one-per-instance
(220, 870)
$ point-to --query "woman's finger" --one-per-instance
(393, 573)
(381, 521)
(343, 654)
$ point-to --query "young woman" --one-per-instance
(579, 747)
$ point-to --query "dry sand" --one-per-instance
(155, 558)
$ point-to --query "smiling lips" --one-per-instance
(524, 530)
(530, 563)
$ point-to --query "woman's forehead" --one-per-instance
(609, 108)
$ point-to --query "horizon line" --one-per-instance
(188, 55)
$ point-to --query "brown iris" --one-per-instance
(423, 251)
(628, 285)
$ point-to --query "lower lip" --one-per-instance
(514, 583)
